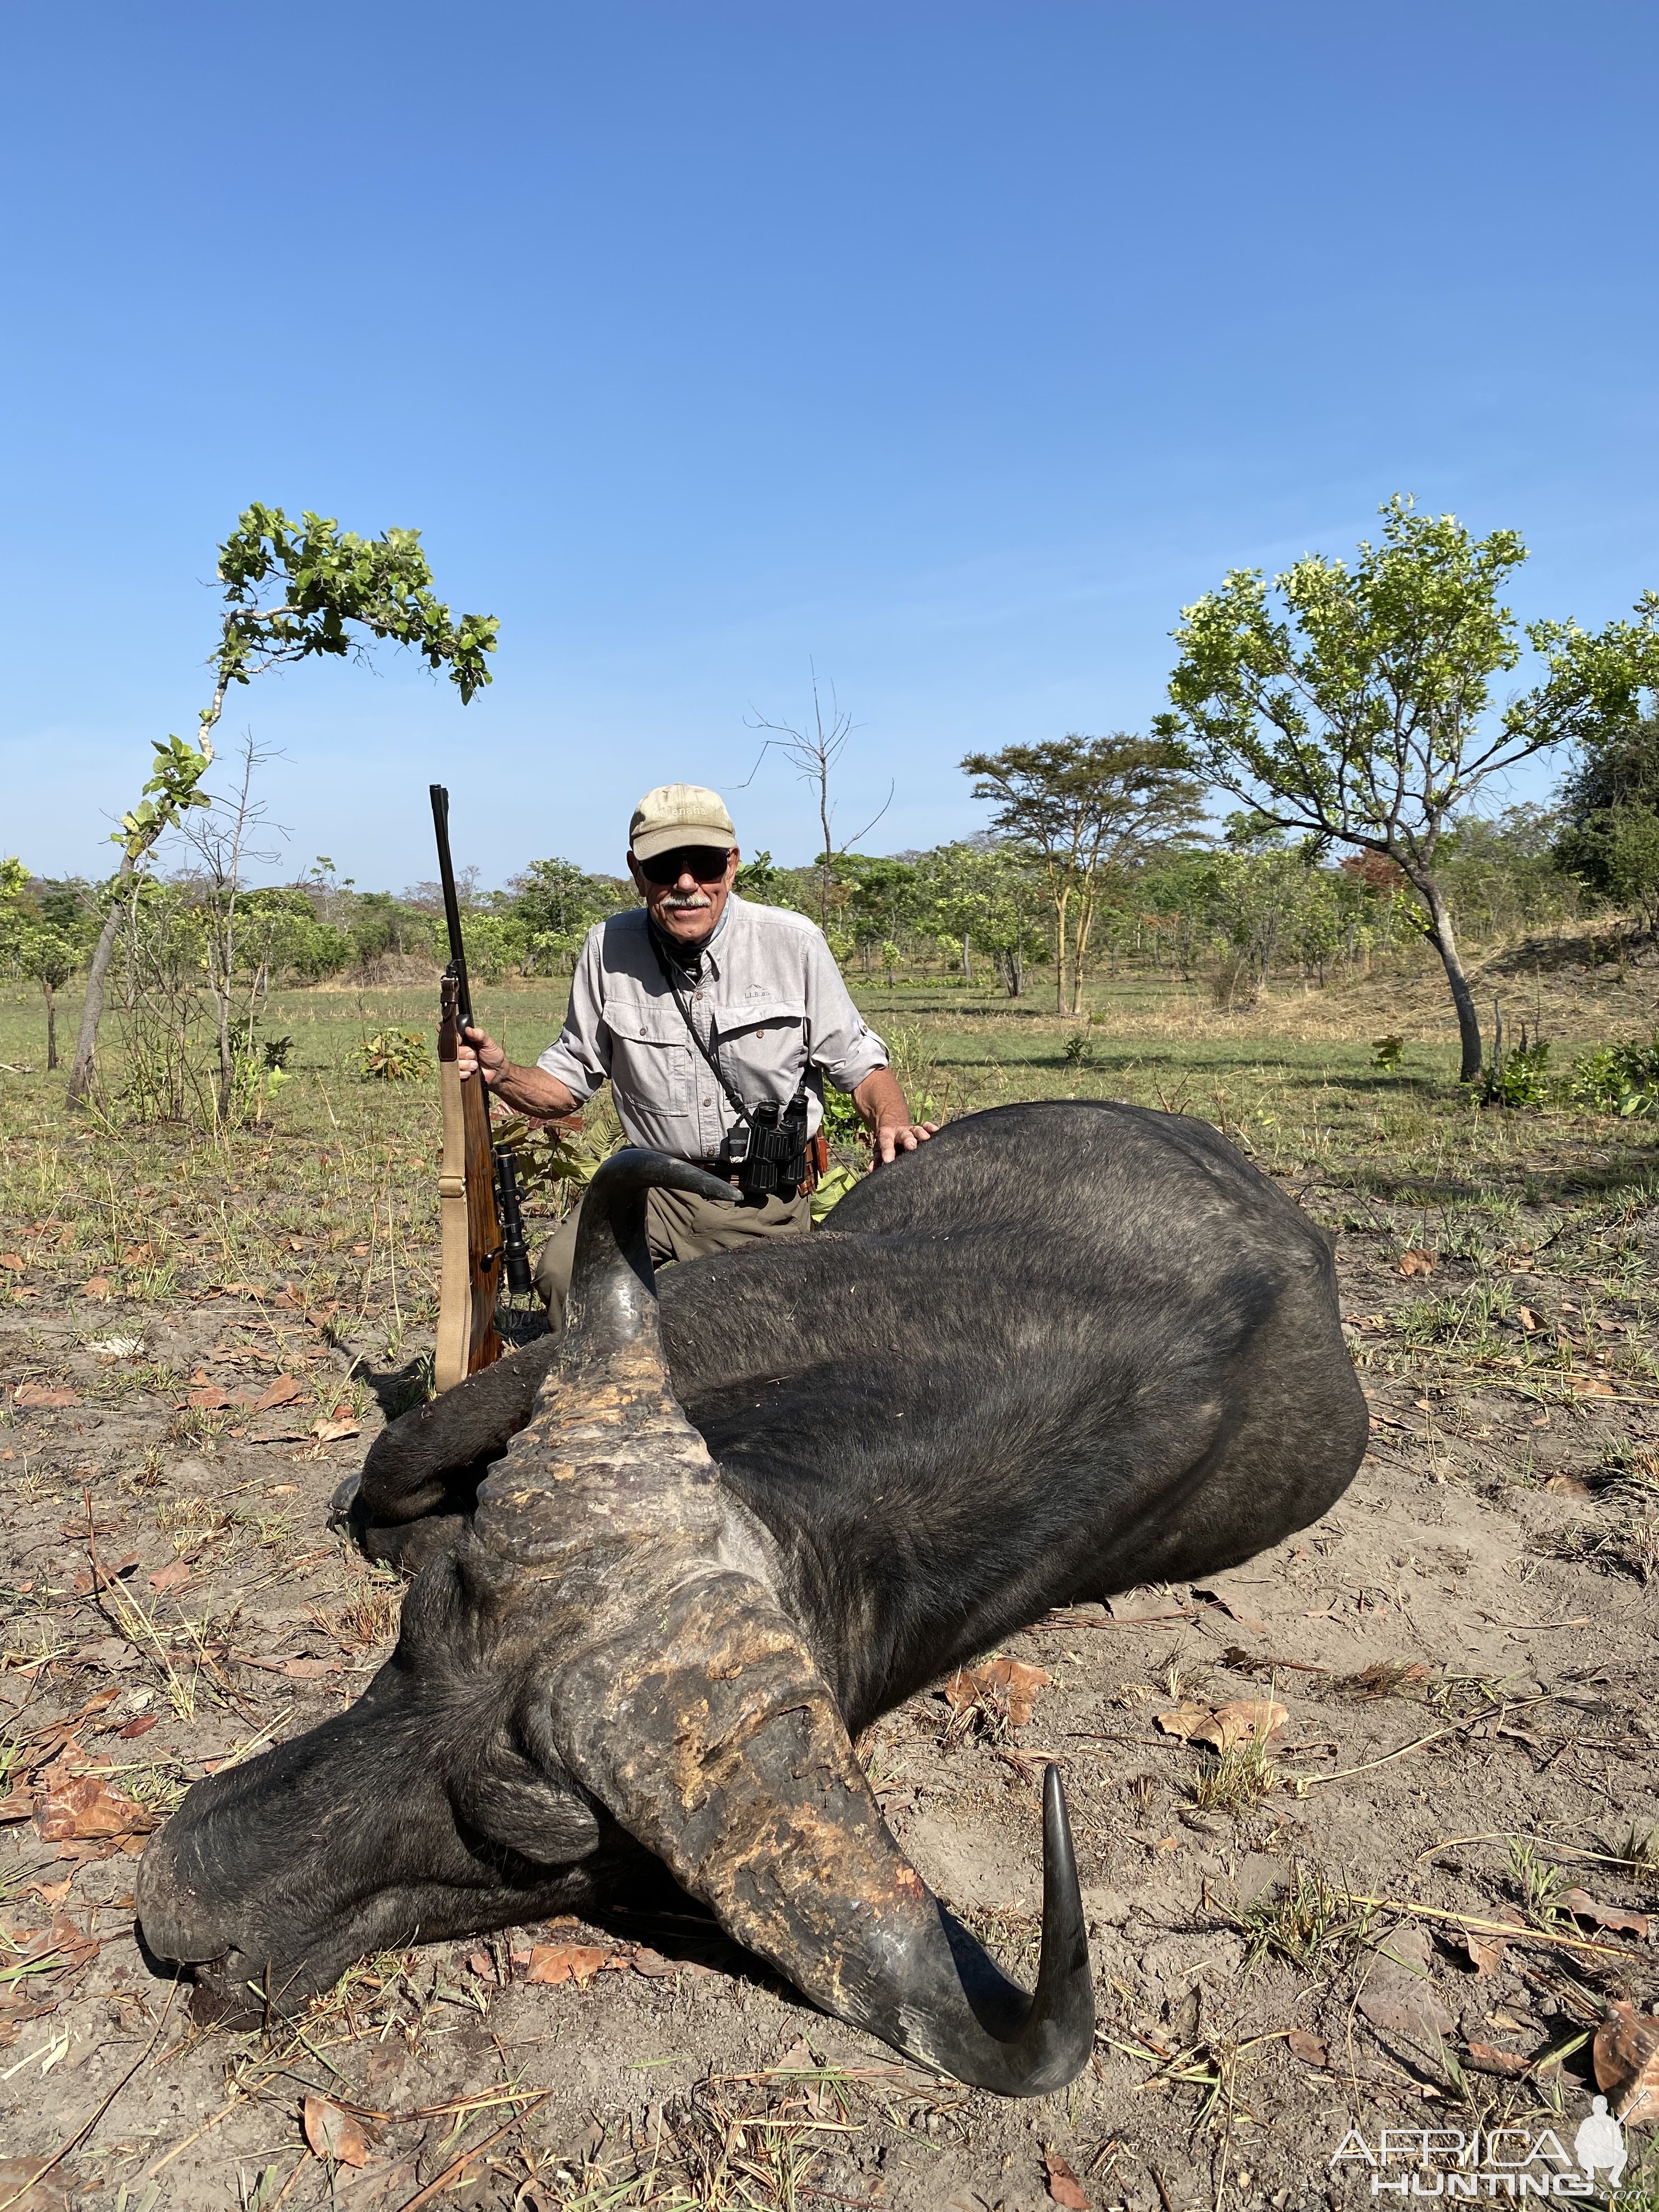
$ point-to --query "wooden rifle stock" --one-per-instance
(470, 1279)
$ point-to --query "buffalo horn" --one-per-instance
(688, 1701)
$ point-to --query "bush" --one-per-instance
(393, 1056)
(1620, 1078)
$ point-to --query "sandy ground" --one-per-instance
(1463, 1649)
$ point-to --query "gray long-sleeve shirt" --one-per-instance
(766, 993)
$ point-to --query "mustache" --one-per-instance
(686, 899)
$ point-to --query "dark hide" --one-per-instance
(1063, 1349)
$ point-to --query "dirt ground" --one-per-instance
(1409, 1907)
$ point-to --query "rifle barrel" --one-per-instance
(451, 906)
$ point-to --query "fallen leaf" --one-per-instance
(96, 1286)
(1308, 2048)
(1485, 1953)
(481, 1963)
(135, 1255)
(1592, 1386)
(1008, 1683)
(26, 2186)
(309, 1670)
(554, 1963)
(283, 1392)
(1244, 1720)
(17, 1806)
(652, 1963)
(212, 1399)
(1626, 2053)
(330, 1433)
(42, 1394)
(1183, 1720)
(334, 2134)
(82, 1805)
(141, 1726)
(1485, 2058)
(1583, 1905)
(1418, 1261)
(1529, 1319)
(173, 1575)
(13, 1260)
(1064, 2187)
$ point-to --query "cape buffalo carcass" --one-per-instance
(1063, 1349)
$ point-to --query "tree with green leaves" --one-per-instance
(1609, 837)
(290, 592)
(1084, 808)
(1360, 712)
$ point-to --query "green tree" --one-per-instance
(1363, 713)
(556, 905)
(289, 593)
(1609, 837)
(1083, 807)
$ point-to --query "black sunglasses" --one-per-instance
(706, 862)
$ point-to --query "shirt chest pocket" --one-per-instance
(761, 1046)
(652, 1056)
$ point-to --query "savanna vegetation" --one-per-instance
(1371, 1823)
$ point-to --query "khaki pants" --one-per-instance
(678, 1226)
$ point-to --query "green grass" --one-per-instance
(330, 1205)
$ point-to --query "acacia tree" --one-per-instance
(1084, 807)
(289, 592)
(1363, 714)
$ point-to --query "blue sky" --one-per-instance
(954, 347)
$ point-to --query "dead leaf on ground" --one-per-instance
(1418, 1261)
(43, 1395)
(141, 1726)
(554, 1963)
(1243, 1720)
(1485, 1953)
(1626, 2053)
(334, 2134)
(1064, 2187)
(1486, 2058)
(1583, 1906)
(1183, 1720)
(1529, 1321)
(96, 1286)
(283, 1392)
(17, 1806)
(25, 2187)
(14, 1261)
(1009, 1684)
(1310, 2049)
(173, 1575)
(76, 1805)
(331, 1432)
(309, 1670)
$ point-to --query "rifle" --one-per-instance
(482, 1224)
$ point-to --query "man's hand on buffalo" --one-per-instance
(887, 1110)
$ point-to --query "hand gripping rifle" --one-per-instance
(478, 1181)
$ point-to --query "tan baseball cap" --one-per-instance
(679, 814)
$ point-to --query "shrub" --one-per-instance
(1620, 1078)
(393, 1056)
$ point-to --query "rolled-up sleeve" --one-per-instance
(841, 1043)
(580, 1058)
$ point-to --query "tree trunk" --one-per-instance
(92, 1009)
(51, 1029)
(967, 960)
(1443, 939)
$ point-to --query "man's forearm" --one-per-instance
(880, 1100)
(532, 1090)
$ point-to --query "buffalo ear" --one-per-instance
(521, 1794)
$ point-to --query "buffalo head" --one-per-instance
(602, 1662)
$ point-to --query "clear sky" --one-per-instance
(952, 346)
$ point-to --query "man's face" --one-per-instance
(686, 890)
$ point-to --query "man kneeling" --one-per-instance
(716, 1021)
